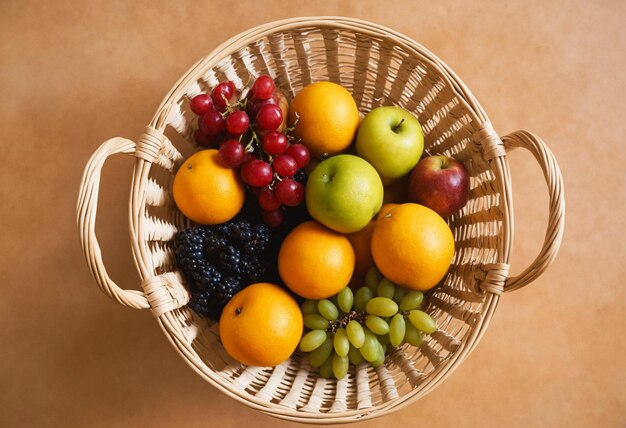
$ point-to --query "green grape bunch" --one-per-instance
(349, 328)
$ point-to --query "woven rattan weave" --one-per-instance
(379, 67)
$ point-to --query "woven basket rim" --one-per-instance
(159, 120)
(500, 169)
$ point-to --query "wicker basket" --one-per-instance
(379, 67)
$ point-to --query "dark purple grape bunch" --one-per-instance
(269, 158)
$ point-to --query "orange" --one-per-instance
(261, 325)
(412, 246)
(361, 245)
(385, 208)
(206, 191)
(314, 261)
(328, 117)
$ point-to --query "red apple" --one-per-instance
(440, 183)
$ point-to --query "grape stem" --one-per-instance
(342, 322)
(290, 129)
(252, 140)
(231, 107)
(262, 153)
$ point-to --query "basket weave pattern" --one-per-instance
(379, 67)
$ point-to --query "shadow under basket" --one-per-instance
(379, 67)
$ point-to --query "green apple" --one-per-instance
(343, 193)
(391, 139)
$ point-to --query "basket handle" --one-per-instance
(86, 219)
(556, 218)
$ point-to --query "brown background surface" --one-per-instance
(73, 74)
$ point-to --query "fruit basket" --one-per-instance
(379, 67)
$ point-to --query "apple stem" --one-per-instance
(395, 128)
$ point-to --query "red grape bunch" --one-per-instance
(267, 156)
(219, 115)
